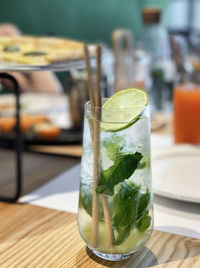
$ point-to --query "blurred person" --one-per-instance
(40, 81)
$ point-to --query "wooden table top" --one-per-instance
(32, 236)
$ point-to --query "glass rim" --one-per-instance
(89, 107)
(104, 114)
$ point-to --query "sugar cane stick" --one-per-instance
(98, 106)
(89, 77)
(95, 103)
(90, 89)
(94, 130)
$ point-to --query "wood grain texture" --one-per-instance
(32, 236)
(68, 150)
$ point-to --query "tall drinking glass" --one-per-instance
(121, 221)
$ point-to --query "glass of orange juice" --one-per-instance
(187, 113)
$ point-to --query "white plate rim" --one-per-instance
(175, 149)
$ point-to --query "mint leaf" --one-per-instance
(144, 223)
(129, 209)
(143, 204)
(85, 199)
(113, 146)
(123, 234)
(123, 167)
(124, 210)
(143, 218)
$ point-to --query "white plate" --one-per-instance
(176, 172)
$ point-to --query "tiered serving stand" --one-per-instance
(5, 70)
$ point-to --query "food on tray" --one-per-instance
(6, 106)
(47, 131)
(7, 124)
(39, 50)
(27, 121)
(39, 126)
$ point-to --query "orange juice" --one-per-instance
(187, 114)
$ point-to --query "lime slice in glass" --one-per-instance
(123, 109)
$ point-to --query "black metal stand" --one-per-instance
(18, 143)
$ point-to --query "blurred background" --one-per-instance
(91, 22)
(149, 44)
(84, 20)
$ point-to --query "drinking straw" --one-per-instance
(89, 79)
(94, 130)
(107, 218)
(98, 103)
(98, 117)
(90, 89)
(96, 112)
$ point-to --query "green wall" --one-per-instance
(87, 20)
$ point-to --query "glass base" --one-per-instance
(113, 257)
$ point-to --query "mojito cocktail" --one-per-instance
(123, 190)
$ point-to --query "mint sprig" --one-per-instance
(143, 204)
(129, 208)
(144, 223)
(143, 219)
(124, 210)
(85, 201)
(123, 167)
